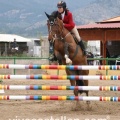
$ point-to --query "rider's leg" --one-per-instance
(52, 55)
(80, 42)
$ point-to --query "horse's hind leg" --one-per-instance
(87, 94)
(73, 83)
(87, 102)
(77, 106)
(86, 83)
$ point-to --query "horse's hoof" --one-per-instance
(89, 107)
(68, 61)
(88, 102)
(78, 108)
(75, 109)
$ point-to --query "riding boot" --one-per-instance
(53, 57)
(80, 43)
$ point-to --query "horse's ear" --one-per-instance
(47, 15)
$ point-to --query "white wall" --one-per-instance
(94, 47)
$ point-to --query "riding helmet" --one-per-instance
(61, 4)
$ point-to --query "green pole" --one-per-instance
(57, 72)
(14, 63)
(106, 64)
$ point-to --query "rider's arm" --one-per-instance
(69, 24)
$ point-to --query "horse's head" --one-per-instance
(52, 18)
(49, 32)
(55, 26)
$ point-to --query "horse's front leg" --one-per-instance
(68, 60)
(73, 83)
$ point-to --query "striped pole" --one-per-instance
(61, 67)
(80, 98)
(2, 91)
(44, 87)
(63, 77)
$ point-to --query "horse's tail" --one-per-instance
(79, 82)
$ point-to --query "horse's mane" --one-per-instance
(56, 13)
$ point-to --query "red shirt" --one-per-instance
(68, 21)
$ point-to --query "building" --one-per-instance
(34, 48)
(94, 47)
(38, 47)
(6, 41)
(107, 31)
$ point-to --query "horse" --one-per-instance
(66, 49)
(17, 51)
(13, 52)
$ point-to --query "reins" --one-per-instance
(57, 36)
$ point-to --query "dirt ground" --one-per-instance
(59, 110)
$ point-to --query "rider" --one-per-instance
(66, 16)
(15, 45)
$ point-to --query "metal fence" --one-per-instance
(23, 60)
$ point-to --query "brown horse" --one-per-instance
(66, 49)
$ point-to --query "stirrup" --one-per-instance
(51, 58)
(84, 52)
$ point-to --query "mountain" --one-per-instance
(27, 18)
(99, 10)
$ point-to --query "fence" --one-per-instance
(35, 60)
(54, 77)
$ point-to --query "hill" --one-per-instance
(27, 18)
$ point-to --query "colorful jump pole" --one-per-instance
(61, 67)
(80, 98)
(59, 77)
(44, 87)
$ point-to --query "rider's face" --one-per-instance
(60, 9)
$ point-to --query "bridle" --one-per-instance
(56, 34)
